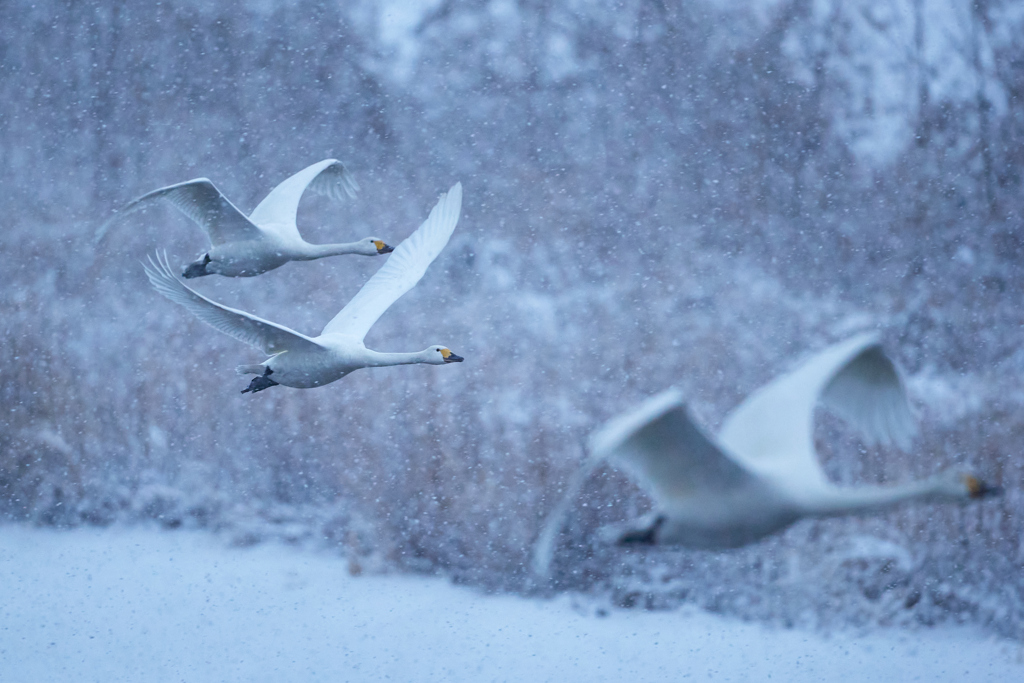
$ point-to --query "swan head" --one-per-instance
(965, 486)
(977, 488)
(373, 246)
(441, 355)
(196, 268)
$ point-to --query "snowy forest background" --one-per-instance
(656, 193)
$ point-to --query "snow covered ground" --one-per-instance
(137, 604)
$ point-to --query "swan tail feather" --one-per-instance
(257, 369)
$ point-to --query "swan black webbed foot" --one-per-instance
(260, 383)
(648, 536)
(196, 268)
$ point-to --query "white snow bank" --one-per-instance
(132, 605)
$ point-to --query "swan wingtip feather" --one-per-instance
(611, 435)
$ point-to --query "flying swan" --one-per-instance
(267, 239)
(304, 362)
(762, 474)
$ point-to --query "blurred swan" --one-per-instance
(761, 474)
(300, 361)
(267, 239)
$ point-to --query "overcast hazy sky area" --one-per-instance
(656, 193)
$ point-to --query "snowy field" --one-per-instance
(136, 604)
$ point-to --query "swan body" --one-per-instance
(268, 238)
(305, 362)
(761, 474)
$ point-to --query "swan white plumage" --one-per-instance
(761, 474)
(300, 361)
(268, 238)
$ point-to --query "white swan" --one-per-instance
(267, 239)
(762, 474)
(300, 361)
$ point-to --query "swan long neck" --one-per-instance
(376, 359)
(315, 251)
(841, 501)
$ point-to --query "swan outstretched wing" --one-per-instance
(201, 201)
(661, 445)
(403, 270)
(269, 337)
(667, 451)
(278, 209)
(773, 429)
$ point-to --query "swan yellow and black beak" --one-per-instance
(977, 488)
(382, 248)
(450, 357)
